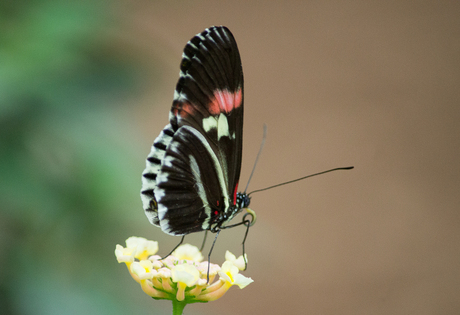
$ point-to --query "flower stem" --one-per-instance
(178, 306)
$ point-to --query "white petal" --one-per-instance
(229, 256)
(240, 262)
(188, 252)
(124, 254)
(139, 270)
(187, 274)
(242, 281)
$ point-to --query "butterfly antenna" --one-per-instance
(295, 180)
(258, 155)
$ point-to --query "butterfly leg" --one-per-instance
(210, 251)
(181, 241)
(204, 240)
(248, 224)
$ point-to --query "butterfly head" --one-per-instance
(223, 217)
(242, 200)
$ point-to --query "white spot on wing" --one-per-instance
(222, 128)
(167, 161)
(221, 124)
(145, 201)
(209, 123)
(174, 146)
(161, 178)
(164, 223)
(148, 184)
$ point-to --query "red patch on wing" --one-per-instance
(234, 194)
(183, 109)
(225, 101)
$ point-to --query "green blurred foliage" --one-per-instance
(67, 179)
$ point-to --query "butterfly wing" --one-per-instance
(193, 168)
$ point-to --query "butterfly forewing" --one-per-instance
(193, 168)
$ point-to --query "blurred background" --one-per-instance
(85, 87)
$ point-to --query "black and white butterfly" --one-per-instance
(191, 177)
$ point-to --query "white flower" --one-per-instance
(188, 252)
(125, 255)
(187, 274)
(142, 247)
(181, 277)
(143, 269)
(230, 273)
(157, 264)
(203, 268)
(184, 275)
(238, 262)
(164, 273)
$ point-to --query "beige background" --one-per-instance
(363, 83)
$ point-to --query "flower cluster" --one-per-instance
(181, 276)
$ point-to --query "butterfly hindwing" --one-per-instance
(189, 186)
(193, 168)
(153, 166)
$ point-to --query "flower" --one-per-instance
(180, 277)
(188, 252)
(229, 276)
(142, 247)
(185, 276)
(239, 262)
(143, 270)
(229, 273)
(125, 255)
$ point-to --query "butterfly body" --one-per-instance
(191, 177)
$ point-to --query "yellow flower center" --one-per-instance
(229, 274)
(143, 255)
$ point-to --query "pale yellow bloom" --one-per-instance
(125, 255)
(179, 277)
(238, 262)
(187, 274)
(188, 252)
(143, 269)
(184, 275)
(142, 247)
(230, 273)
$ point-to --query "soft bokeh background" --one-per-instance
(86, 86)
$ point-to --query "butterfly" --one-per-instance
(192, 172)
